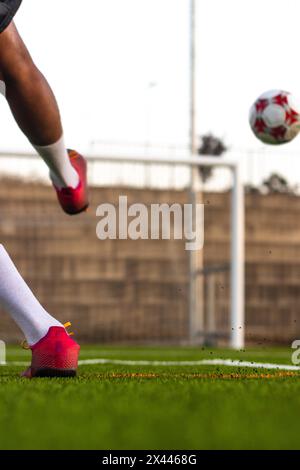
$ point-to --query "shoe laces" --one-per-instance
(66, 326)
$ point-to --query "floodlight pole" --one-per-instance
(193, 132)
(196, 309)
(196, 283)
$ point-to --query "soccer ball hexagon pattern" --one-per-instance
(275, 117)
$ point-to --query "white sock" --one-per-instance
(19, 301)
(57, 159)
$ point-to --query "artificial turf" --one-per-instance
(110, 406)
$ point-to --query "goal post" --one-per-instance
(19, 163)
(237, 261)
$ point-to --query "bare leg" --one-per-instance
(29, 96)
(36, 112)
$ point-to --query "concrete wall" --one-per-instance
(110, 290)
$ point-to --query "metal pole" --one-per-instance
(164, 160)
(2, 353)
(193, 132)
(192, 195)
(237, 263)
(211, 306)
(196, 313)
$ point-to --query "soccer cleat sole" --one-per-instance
(84, 209)
(50, 373)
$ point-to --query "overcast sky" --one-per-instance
(120, 68)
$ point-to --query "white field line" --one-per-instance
(119, 352)
(204, 362)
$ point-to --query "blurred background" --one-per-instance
(121, 74)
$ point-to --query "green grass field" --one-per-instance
(113, 406)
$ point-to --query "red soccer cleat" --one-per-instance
(55, 355)
(74, 201)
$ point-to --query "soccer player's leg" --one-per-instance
(36, 112)
(32, 102)
(54, 352)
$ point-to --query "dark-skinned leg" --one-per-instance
(29, 96)
(34, 107)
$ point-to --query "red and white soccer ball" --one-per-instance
(275, 117)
